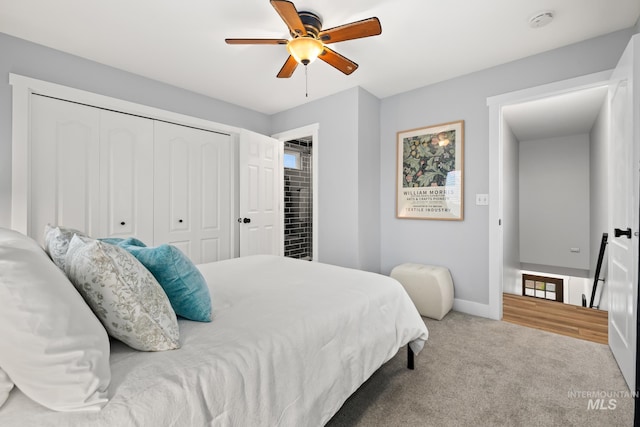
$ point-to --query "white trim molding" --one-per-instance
(496, 164)
(470, 307)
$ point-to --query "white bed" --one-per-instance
(290, 341)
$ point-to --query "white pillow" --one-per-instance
(123, 294)
(5, 387)
(53, 347)
(56, 242)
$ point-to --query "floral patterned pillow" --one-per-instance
(123, 294)
(56, 242)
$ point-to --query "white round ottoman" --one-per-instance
(430, 288)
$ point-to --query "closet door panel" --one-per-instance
(192, 207)
(173, 194)
(184, 246)
(210, 167)
(64, 166)
(214, 218)
(126, 164)
(210, 250)
(73, 176)
(217, 203)
(180, 184)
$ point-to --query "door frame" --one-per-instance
(305, 132)
(496, 167)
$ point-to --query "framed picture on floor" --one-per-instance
(430, 176)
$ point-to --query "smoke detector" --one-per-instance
(541, 19)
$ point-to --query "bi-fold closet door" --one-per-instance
(111, 174)
(192, 197)
(91, 170)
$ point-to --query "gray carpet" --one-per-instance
(480, 372)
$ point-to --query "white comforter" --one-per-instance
(290, 341)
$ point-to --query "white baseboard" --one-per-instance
(470, 307)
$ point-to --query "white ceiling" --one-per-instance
(422, 41)
(568, 114)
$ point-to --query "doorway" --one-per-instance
(554, 210)
(307, 197)
(504, 245)
(553, 207)
(298, 199)
(557, 171)
(620, 182)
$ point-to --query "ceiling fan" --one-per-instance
(308, 39)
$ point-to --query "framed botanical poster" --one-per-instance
(430, 173)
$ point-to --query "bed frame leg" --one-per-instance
(410, 357)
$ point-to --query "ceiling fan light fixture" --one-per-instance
(309, 41)
(305, 49)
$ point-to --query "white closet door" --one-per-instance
(192, 193)
(126, 168)
(64, 166)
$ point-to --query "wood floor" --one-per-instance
(565, 319)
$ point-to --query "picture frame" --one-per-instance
(430, 173)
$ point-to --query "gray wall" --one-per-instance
(599, 195)
(345, 123)
(554, 202)
(599, 177)
(22, 57)
(511, 213)
(348, 174)
(337, 174)
(463, 246)
(369, 181)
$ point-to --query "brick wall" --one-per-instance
(298, 203)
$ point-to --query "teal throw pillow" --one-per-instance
(179, 277)
(119, 241)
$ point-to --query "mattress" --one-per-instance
(290, 341)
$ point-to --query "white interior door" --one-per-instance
(192, 196)
(261, 195)
(623, 192)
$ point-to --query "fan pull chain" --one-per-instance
(306, 82)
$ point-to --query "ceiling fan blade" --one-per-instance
(288, 68)
(289, 15)
(354, 30)
(338, 61)
(256, 41)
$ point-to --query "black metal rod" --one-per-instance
(603, 245)
(410, 357)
